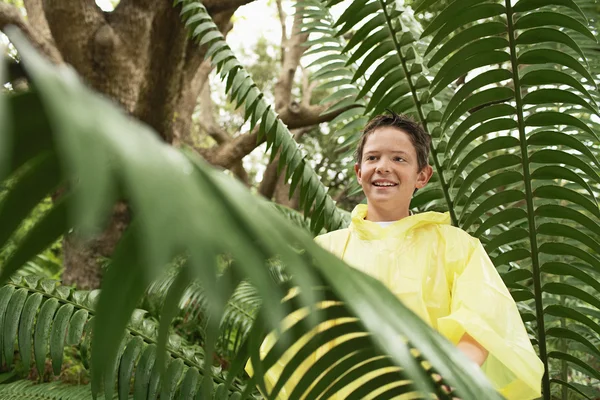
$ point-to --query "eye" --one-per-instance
(398, 158)
(371, 158)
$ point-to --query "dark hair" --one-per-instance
(420, 139)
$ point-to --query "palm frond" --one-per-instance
(40, 314)
(523, 177)
(335, 73)
(27, 390)
(101, 151)
(388, 57)
(242, 90)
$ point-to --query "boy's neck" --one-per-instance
(381, 214)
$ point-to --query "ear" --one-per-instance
(424, 177)
(358, 173)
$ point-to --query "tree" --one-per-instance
(510, 132)
(139, 55)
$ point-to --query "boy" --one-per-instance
(440, 272)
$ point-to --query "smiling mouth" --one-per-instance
(384, 184)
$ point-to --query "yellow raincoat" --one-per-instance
(445, 276)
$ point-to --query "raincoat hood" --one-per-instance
(369, 230)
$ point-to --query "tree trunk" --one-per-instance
(139, 56)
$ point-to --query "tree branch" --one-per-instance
(37, 18)
(271, 179)
(284, 39)
(207, 119)
(291, 59)
(11, 15)
(73, 23)
(215, 6)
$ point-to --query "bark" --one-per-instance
(11, 16)
(139, 56)
(83, 260)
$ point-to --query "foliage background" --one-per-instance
(333, 167)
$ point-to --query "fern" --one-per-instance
(388, 58)
(527, 177)
(242, 90)
(27, 390)
(44, 315)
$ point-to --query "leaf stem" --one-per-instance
(413, 90)
(537, 275)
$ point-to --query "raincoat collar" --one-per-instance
(369, 230)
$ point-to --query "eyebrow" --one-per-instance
(393, 151)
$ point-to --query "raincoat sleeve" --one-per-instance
(482, 306)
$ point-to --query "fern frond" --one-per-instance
(516, 135)
(47, 316)
(387, 54)
(242, 90)
(28, 390)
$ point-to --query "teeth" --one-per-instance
(384, 184)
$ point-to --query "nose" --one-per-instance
(383, 165)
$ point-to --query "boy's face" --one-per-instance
(389, 170)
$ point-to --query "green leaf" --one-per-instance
(500, 162)
(502, 217)
(564, 249)
(548, 76)
(42, 235)
(544, 18)
(563, 289)
(553, 138)
(562, 212)
(466, 36)
(574, 360)
(57, 336)
(545, 96)
(552, 172)
(449, 13)
(547, 156)
(513, 256)
(188, 386)
(26, 327)
(486, 78)
(510, 236)
(172, 376)
(562, 269)
(143, 372)
(473, 49)
(550, 56)
(558, 192)
(570, 313)
(40, 178)
(585, 391)
(503, 179)
(528, 5)
(481, 99)
(42, 332)
(496, 200)
(5, 138)
(11, 322)
(481, 60)
(76, 325)
(382, 71)
(130, 355)
(550, 118)
(543, 35)
(492, 145)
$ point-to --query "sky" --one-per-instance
(246, 30)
